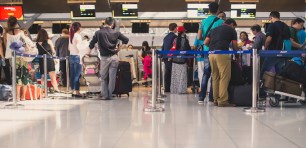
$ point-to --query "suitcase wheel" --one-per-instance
(302, 102)
(274, 100)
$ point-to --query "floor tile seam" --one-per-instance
(121, 136)
(225, 131)
(275, 131)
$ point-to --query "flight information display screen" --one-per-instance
(125, 10)
(82, 11)
(197, 10)
(243, 11)
(7, 11)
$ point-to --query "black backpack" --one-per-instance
(184, 45)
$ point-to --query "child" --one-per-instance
(147, 64)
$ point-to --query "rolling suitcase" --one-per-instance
(123, 79)
(240, 95)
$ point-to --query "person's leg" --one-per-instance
(224, 67)
(8, 72)
(112, 75)
(18, 89)
(64, 72)
(53, 80)
(200, 71)
(24, 91)
(205, 78)
(168, 70)
(215, 78)
(211, 99)
(105, 63)
(71, 74)
(77, 73)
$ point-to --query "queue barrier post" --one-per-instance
(45, 76)
(161, 95)
(154, 107)
(14, 83)
(254, 108)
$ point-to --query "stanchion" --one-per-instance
(153, 107)
(254, 108)
(160, 96)
(14, 83)
(45, 76)
(67, 74)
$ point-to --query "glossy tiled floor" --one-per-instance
(121, 123)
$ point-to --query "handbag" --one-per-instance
(55, 61)
(30, 48)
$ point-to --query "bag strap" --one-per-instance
(44, 48)
(216, 19)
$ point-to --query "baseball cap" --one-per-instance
(181, 29)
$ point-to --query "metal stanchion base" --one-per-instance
(152, 109)
(254, 110)
(13, 106)
(157, 101)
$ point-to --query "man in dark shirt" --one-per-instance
(220, 39)
(167, 44)
(61, 47)
(107, 39)
(277, 38)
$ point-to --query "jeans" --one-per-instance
(270, 62)
(75, 72)
(64, 72)
(204, 83)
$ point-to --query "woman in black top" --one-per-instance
(45, 46)
(145, 48)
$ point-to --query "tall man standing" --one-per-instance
(219, 39)
(107, 39)
(207, 24)
(167, 44)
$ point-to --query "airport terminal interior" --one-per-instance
(146, 106)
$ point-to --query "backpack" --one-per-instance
(184, 45)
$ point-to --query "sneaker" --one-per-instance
(226, 105)
(200, 102)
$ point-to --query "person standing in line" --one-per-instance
(259, 39)
(179, 65)
(277, 38)
(297, 25)
(207, 24)
(6, 66)
(61, 47)
(302, 35)
(107, 39)
(45, 46)
(167, 44)
(221, 15)
(11, 35)
(75, 67)
(220, 39)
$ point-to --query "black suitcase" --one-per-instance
(241, 95)
(123, 79)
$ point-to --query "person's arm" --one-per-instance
(52, 46)
(1, 49)
(93, 41)
(295, 44)
(200, 32)
(235, 45)
(268, 41)
(123, 38)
